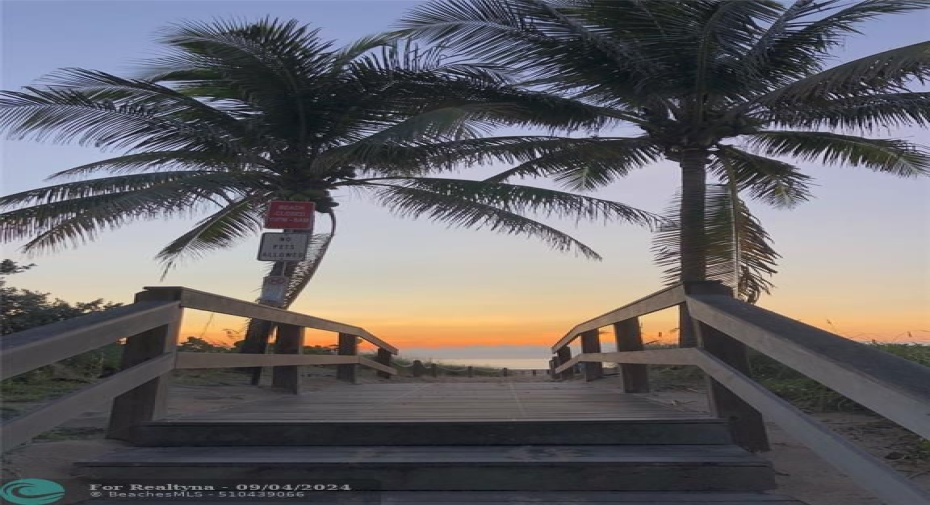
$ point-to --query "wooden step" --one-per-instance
(454, 468)
(515, 498)
(331, 433)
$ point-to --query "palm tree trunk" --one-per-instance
(258, 333)
(693, 245)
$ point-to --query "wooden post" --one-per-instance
(534, 372)
(149, 401)
(384, 357)
(433, 370)
(553, 363)
(504, 372)
(746, 424)
(470, 371)
(629, 338)
(348, 346)
(565, 354)
(289, 340)
(418, 368)
(591, 343)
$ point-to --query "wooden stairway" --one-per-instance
(591, 459)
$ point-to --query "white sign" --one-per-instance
(274, 288)
(284, 247)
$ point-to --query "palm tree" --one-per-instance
(236, 115)
(723, 88)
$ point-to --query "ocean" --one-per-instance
(511, 363)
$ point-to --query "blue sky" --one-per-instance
(858, 255)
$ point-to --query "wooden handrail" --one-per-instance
(150, 326)
(869, 471)
(201, 300)
(36, 347)
(23, 428)
(655, 302)
(887, 384)
(194, 360)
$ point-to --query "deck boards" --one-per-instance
(510, 401)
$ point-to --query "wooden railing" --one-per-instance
(150, 326)
(893, 387)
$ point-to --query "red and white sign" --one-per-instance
(290, 215)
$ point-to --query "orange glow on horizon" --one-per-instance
(424, 337)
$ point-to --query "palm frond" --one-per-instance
(62, 116)
(796, 44)
(739, 251)
(893, 156)
(527, 199)
(304, 271)
(76, 212)
(416, 203)
(221, 230)
(586, 164)
(768, 180)
(866, 113)
(884, 72)
(152, 161)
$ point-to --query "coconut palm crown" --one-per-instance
(238, 114)
(737, 91)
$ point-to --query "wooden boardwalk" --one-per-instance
(453, 401)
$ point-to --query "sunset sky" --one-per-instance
(856, 259)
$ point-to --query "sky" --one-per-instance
(856, 259)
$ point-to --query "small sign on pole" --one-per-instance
(290, 215)
(274, 289)
(284, 247)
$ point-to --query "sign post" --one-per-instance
(295, 219)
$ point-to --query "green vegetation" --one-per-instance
(806, 394)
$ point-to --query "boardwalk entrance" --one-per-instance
(560, 440)
(451, 401)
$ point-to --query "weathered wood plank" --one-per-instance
(149, 401)
(868, 471)
(578, 497)
(289, 341)
(384, 358)
(382, 369)
(187, 360)
(422, 468)
(746, 423)
(424, 432)
(200, 300)
(23, 428)
(453, 402)
(655, 302)
(891, 386)
(564, 356)
(653, 357)
(591, 343)
(628, 336)
(27, 350)
(348, 346)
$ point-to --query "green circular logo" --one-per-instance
(32, 492)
